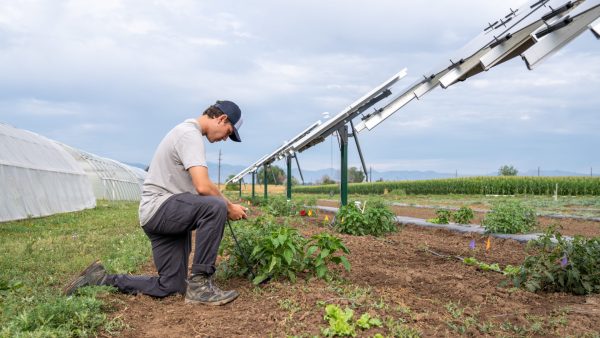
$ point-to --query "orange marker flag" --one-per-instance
(488, 244)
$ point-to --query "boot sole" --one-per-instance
(71, 288)
(215, 303)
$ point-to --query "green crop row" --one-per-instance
(484, 185)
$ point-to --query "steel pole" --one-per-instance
(265, 181)
(289, 177)
(360, 154)
(253, 174)
(343, 132)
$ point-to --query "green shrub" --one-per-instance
(280, 206)
(509, 217)
(249, 234)
(321, 250)
(377, 220)
(464, 215)
(275, 251)
(279, 254)
(561, 266)
(443, 216)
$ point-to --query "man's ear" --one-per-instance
(222, 118)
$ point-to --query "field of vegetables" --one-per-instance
(485, 185)
(406, 281)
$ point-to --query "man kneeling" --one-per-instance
(178, 198)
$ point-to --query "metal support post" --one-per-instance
(240, 195)
(253, 175)
(289, 177)
(299, 170)
(265, 180)
(360, 154)
(343, 133)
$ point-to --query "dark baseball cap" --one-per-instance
(234, 115)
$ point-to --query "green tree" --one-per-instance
(326, 180)
(355, 175)
(232, 186)
(275, 175)
(507, 170)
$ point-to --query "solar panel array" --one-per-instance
(533, 31)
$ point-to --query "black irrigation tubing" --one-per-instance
(237, 244)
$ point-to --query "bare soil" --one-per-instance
(399, 278)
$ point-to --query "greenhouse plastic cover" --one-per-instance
(38, 177)
(110, 179)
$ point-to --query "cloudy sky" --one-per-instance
(112, 77)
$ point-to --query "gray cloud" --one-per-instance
(112, 77)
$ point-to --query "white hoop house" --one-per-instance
(38, 177)
(111, 180)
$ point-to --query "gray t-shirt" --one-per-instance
(182, 148)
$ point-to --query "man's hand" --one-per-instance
(236, 212)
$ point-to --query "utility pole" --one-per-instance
(538, 171)
(456, 173)
(219, 181)
(591, 173)
(370, 173)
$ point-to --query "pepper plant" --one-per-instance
(557, 264)
(376, 219)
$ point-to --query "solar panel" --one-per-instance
(501, 40)
(272, 156)
(535, 31)
(595, 28)
(347, 114)
(555, 36)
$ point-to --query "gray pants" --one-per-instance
(170, 232)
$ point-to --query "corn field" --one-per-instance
(485, 185)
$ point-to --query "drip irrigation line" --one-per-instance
(237, 244)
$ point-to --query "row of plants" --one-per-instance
(485, 185)
(505, 217)
(464, 215)
(554, 264)
(270, 250)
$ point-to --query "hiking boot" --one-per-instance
(202, 290)
(94, 274)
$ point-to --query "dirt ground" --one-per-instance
(400, 278)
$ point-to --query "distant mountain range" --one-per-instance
(312, 176)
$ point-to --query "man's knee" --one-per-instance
(174, 285)
(219, 206)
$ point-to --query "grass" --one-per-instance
(38, 256)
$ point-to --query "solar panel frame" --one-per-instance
(550, 43)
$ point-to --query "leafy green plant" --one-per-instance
(275, 250)
(509, 217)
(365, 322)
(340, 322)
(464, 215)
(508, 270)
(443, 216)
(280, 206)
(323, 249)
(280, 253)
(376, 220)
(249, 234)
(563, 265)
